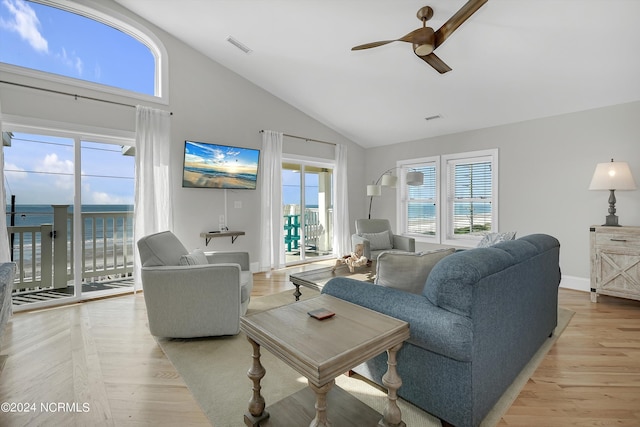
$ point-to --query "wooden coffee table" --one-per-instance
(316, 279)
(321, 350)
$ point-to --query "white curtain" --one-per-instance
(271, 221)
(153, 210)
(5, 252)
(341, 222)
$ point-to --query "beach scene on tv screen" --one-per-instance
(219, 166)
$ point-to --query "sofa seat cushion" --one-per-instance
(407, 271)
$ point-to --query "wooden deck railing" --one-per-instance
(44, 254)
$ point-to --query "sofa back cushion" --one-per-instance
(451, 282)
(407, 271)
(162, 248)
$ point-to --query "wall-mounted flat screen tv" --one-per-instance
(208, 165)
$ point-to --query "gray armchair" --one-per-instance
(193, 294)
(376, 237)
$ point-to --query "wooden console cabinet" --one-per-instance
(615, 262)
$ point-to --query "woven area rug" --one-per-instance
(215, 370)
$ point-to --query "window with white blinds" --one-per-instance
(468, 185)
(469, 196)
(421, 206)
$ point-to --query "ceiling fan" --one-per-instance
(425, 40)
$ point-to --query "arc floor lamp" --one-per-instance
(387, 179)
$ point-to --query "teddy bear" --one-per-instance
(355, 259)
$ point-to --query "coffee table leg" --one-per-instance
(392, 417)
(297, 292)
(321, 404)
(256, 412)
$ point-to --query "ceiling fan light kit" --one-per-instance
(425, 40)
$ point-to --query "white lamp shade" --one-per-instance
(415, 178)
(374, 190)
(389, 180)
(612, 176)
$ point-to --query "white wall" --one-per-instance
(545, 167)
(210, 104)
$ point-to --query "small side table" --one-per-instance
(213, 234)
(615, 262)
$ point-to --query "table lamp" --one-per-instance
(612, 176)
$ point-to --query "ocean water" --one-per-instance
(428, 210)
(96, 228)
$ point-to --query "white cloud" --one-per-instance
(101, 198)
(79, 66)
(63, 170)
(14, 171)
(71, 61)
(26, 24)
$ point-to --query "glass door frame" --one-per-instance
(78, 134)
(303, 162)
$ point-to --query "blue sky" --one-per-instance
(45, 38)
(48, 39)
(238, 160)
(39, 170)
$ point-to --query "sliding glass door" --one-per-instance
(69, 217)
(307, 209)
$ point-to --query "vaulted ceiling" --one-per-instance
(513, 60)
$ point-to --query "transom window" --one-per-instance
(468, 183)
(80, 44)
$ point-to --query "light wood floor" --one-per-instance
(95, 364)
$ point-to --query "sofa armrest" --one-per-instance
(366, 245)
(431, 327)
(404, 243)
(241, 258)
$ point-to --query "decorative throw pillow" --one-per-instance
(379, 241)
(491, 239)
(407, 271)
(196, 257)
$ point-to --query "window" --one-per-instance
(422, 201)
(80, 46)
(468, 182)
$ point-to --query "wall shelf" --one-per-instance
(214, 234)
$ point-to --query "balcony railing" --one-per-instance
(44, 254)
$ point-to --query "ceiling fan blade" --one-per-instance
(419, 36)
(374, 44)
(435, 62)
(458, 19)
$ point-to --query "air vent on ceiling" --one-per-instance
(239, 45)
(437, 116)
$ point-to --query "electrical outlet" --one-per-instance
(237, 204)
(221, 219)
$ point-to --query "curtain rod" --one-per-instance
(59, 92)
(306, 139)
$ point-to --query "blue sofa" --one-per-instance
(482, 315)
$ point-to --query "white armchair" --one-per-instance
(376, 237)
(193, 294)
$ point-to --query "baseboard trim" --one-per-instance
(576, 283)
